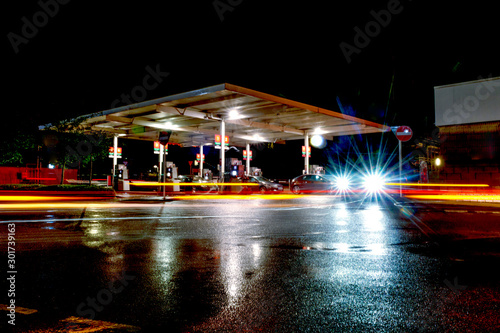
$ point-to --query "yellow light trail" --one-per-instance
(443, 185)
(80, 205)
(41, 198)
(57, 205)
(239, 197)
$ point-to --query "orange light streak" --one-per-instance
(443, 185)
(192, 184)
(57, 205)
(43, 198)
(80, 205)
(239, 197)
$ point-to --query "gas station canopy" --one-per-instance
(250, 116)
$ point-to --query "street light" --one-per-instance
(438, 163)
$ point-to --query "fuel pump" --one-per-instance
(121, 173)
(319, 170)
(234, 171)
(117, 175)
(257, 172)
(207, 175)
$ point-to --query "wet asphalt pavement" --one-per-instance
(311, 264)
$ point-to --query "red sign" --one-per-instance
(404, 133)
(245, 155)
(199, 157)
(118, 150)
(156, 148)
(304, 151)
(111, 151)
(218, 140)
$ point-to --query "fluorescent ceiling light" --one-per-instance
(233, 113)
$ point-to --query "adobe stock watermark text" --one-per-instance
(11, 273)
(31, 26)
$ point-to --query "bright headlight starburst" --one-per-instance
(373, 182)
(342, 183)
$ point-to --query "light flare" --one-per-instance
(342, 183)
(374, 183)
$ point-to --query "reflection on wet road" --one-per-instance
(312, 263)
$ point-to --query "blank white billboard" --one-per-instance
(467, 102)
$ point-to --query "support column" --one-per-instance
(201, 160)
(248, 160)
(306, 158)
(164, 158)
(160, 163)
(400, 169)
(115, 154)
(222, 150)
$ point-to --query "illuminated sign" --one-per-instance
(111, 152)
(247, 155)
(156, 148)
(218, 141)
(200, 157)
(304, 151)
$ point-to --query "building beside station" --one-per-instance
(468, 118)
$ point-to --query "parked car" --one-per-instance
(310, 183)
(202, 188)
(265, 185)
(184, 179)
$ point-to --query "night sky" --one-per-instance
(82, 56)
